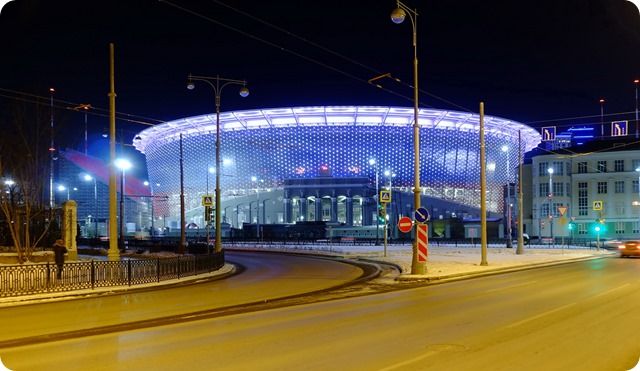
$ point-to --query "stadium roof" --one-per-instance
(338, 116)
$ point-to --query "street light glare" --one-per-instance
(191, 85)
(398, 15)
(244, 92)
(123, 164)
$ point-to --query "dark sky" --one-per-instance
(541, 62)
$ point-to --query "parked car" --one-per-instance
(629, 248)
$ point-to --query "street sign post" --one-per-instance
(423, 242)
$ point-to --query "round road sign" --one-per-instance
(405, 224)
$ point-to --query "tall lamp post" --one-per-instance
(505, 149)
(218, 83)
(397, 16)
(89, 178)
(123, 165)
(550, 170)
(373, 163)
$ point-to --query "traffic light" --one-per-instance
(207, 213)
(382, 213)
(571, 226)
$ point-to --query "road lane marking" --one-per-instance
(612, 290)
(510, 287)
(540, 315)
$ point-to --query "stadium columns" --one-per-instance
(397, 16)
(220, 83)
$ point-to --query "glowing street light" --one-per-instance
(220, 83)
(398, 16)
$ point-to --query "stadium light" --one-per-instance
(398, 16)
(220, 83)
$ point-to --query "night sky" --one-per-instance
(538, 62)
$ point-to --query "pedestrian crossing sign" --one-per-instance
(385, 196)
(207, 200)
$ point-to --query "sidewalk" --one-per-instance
(447, 262)
(443, 263)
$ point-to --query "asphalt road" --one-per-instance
(577, 316)
(266, 276)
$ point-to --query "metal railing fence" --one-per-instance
(30, 279)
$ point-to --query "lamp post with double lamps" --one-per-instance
(397, 16)
(123, 165)
(217, 84)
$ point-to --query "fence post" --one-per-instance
(48, 276)
(129, 272)
(93, 275)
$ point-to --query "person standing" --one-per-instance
(59, 249)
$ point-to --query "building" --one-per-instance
(85, 179)
(284, 165)
(597, 185)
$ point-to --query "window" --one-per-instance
(558, 168)
(583, 199)
(602, 166)
(635, 163)
(558, 189)
(620, 209)
(619, 227)
(602, 188)
(544, 190)
(635, 187)
(543, 168)
(619, 165)
(636, 228)
(582, 168)
(619, 186)
(582, 228)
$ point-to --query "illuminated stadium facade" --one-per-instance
(285, 147)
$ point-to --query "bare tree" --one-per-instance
(25, 165)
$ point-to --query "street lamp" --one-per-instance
(217, 88)
(373, 163)
(89, 178)
(505, 149)
(123, 165)
(62, 188)
(550, 170)
(397, 16)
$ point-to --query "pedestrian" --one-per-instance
(59, 249)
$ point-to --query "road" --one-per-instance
(267, 276)
(574, 316)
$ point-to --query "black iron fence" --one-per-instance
(29, 279)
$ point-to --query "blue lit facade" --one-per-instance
(281, 144)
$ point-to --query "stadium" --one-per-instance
(285, 165)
